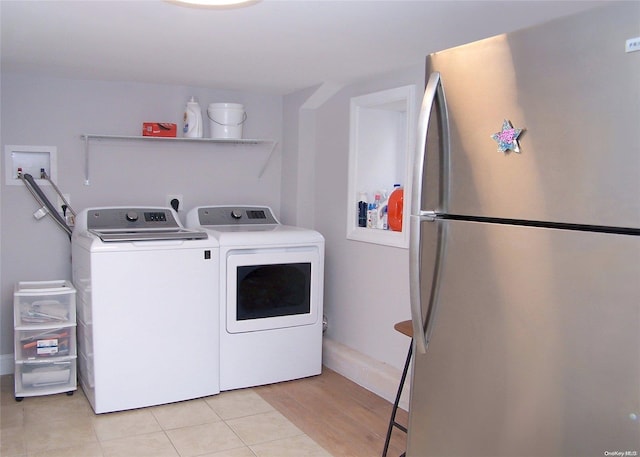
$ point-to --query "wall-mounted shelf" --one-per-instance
(88, 137)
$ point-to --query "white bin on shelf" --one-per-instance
(226, 120)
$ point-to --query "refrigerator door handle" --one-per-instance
(433, 96)
(434, 93)
(422, 330)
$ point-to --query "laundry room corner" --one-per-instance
(366, 285)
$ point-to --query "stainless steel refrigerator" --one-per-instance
(525, 244)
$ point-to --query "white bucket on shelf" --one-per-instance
(226, 120)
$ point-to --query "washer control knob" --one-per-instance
(131, 216)
(236, 214)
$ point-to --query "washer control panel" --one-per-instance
(131, 218)
(236, 215)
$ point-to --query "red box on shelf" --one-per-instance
(159, 129)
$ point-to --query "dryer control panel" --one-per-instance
(236, 215)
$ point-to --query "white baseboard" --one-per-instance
(6, 364)
(378, 377)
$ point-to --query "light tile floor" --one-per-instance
(233, 424)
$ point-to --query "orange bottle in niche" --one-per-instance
(394, 210)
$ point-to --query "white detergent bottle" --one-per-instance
(192, 120)
(382, 214)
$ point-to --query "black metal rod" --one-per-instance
(392, 421)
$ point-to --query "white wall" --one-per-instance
(45, 111)
(291, 138)
(366, 285)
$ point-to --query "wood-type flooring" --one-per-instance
(338, 414)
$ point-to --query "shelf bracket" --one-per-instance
(86, 159)
(266, 163)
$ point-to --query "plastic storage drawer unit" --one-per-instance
(45, 351)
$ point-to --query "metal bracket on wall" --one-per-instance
(87, 137)
(266, 162)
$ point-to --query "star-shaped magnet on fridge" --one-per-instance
(507, 139)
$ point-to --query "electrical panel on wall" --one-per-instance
(31, 160)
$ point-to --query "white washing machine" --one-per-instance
(271, 291)
(147, 308)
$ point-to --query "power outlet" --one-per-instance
(632, 44)
(171, 202)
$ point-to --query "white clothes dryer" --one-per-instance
(271, 292)
(147, 308)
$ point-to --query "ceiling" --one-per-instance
(274, 46)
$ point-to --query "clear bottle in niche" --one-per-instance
(381, 212)
(372, 214)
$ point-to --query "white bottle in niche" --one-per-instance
(382, 212)
(192, 120)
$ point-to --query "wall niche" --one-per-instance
(382, 140)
